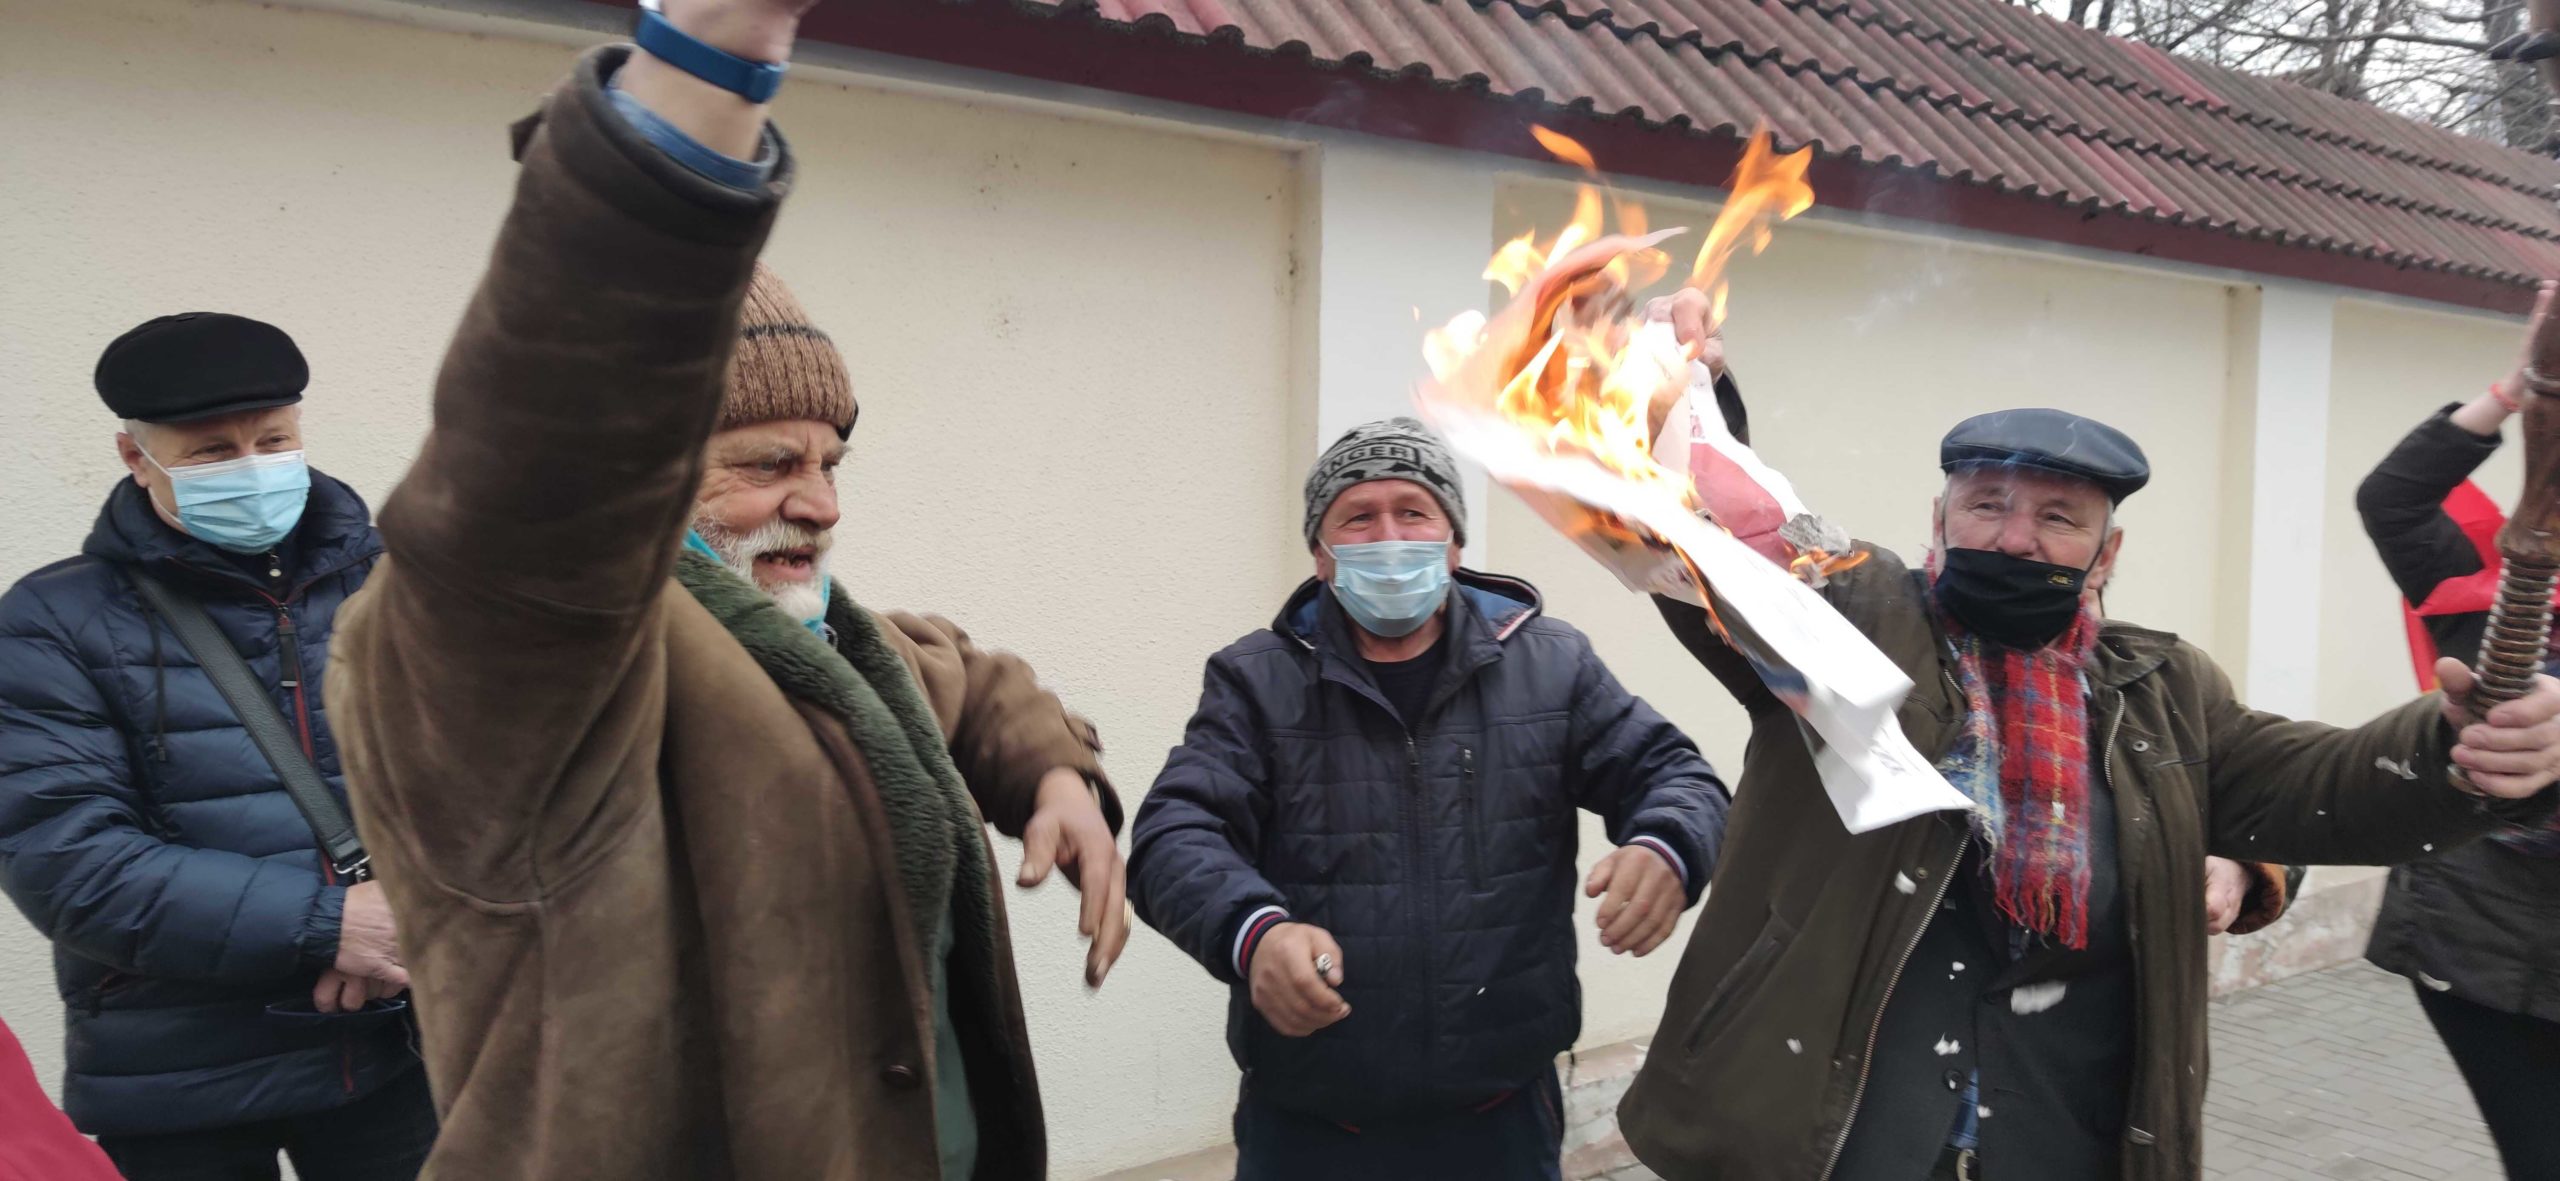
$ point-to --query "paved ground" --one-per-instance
(2336, 1076)
(2330, 1076)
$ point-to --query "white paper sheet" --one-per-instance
(1840, 685)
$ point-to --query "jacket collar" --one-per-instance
(2127, 653)
(869, 689)
(1487, 610)
(336, 532)
(1500, 602)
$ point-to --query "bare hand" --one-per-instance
(2532, 328)
(1644, 899)
(2515, 751)
(1688, 311)
(2226, 889)
(338, 992)
(368, 942)
(1287, 989)
(758, 30)
(1067, 830)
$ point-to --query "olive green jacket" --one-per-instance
(1757, 1070)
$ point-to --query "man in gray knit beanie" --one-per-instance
(1369, 829)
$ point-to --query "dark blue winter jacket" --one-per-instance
(1440, 855)
(142, 832)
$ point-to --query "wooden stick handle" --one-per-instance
(2517, 642)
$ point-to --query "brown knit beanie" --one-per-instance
(785, 368)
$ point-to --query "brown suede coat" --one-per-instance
(1759, 1067)
(653, 899)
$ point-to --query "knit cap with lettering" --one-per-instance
(785, 368)
(1388, 449)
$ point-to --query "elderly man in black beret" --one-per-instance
(2018, 991)
(233, 992)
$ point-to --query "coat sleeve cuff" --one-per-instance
(319, 942)
(1679, 865)
(1249, 933)
(2270, 892)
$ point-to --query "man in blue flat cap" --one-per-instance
(2018, 991)
(233, 994)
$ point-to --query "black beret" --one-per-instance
(2051, 441)
(197, 365)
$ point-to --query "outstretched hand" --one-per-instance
(1296, 971)
(1691, 316)
(1067, 831)
(757, 30)
(2514, 751)
(1640, 899)
(2226, 890)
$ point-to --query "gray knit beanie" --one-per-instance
(1388, 449)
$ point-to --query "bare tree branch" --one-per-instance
(2365, 37)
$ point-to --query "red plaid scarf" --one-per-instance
(2023, 758)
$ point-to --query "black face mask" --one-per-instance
(2009, 600)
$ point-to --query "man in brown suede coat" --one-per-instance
(688, 849)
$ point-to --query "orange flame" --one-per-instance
(1571, 369)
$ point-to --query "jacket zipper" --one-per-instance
(289, 652)
(1420, 885)
(2133, 928)
(1866, 1062)
(289, 657)
(1474, 805)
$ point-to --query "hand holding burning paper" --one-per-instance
(1557, 396)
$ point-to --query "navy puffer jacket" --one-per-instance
(1440, 855)
(144, 835)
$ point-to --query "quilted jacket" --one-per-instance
(1439, 852)
(144, 835)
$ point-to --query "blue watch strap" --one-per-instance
(755, 82)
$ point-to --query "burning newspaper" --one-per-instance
(1557, 397)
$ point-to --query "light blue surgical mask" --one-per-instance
(817, 624)
(1391, 588)
(244, 505)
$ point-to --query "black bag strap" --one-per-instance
(329, 821)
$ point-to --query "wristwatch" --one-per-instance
(753, 81)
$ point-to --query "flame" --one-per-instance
(1812, 565)
(1571, 369)
(1766, 190)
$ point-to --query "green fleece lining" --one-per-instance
(862, 681)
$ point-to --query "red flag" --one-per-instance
(2480, 520)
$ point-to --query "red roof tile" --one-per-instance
(1970, 90)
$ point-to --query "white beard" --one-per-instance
(798, 599)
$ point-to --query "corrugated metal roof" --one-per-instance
(1971, 90)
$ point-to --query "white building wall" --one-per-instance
(2289, 451)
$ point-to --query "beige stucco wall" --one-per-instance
(2391, 368)
(1076, 462)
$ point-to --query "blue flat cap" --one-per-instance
(2050, 441)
